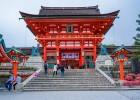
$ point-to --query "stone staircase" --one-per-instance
(100, 61)
(74, 80)
(35, 61)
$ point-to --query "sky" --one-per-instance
(16, 34)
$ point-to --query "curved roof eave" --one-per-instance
(112, 14)
(120, 48)
(16, 50)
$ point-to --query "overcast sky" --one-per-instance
(16, 34)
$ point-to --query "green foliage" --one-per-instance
(137, 41)
(19, 68)
(4, 75)
(23, 75)
(137, 38)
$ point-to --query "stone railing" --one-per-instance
(106, 76)
(21, 85)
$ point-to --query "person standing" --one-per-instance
(8, 84)
(45, 67)
(62, 70)
(18, 80)
(55, 69)
(69, 67)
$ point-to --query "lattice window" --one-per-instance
(75, 30)
(53, 30)
(86, 30)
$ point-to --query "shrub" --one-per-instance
(137, 82)
(8, 75)
(132, 79)
(138, 78)
(137, 75)
(129, 78)
(131, 74)
(19, 68)
(25, 75)
(128, 83)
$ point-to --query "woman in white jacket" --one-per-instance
(55, 69)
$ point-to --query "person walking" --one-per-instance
(18, 80)
(45, 67)
(8, 84)
(55, 70)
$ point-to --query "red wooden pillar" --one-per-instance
(45, 53)
(57, 55)
(15, 67)
(82, 55)
(60, 57)
(94, 53)
(121, 70)
(79, 59)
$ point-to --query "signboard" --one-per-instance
(108, 62)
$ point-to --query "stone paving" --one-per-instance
(71, 95)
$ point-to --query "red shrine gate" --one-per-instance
(69, 35)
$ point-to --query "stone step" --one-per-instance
(35, 61)
(66, 74)
(78, 73)
(67, 78)
(69, 84)
(93, 88)
(73, 80)
(75, 89)
(65, 81)
(99, 81)
(57, 80)
(77, 70)
(41, 80)
(75, 86)
(66, 85)
(73, 76)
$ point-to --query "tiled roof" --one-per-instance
(93, 10)
(110, 49)
(16, 50)
(120, 48)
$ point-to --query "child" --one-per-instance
(35, 73)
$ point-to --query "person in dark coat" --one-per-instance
(45, 67)
(62, 70)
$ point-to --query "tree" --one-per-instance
(137, 38)
(137, 41)
(136, 54)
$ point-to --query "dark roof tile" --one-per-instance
(93, 10)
